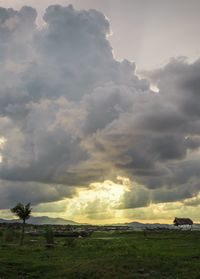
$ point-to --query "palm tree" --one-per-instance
(23, 212)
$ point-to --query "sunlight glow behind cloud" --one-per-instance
(96, 204)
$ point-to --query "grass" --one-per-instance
(106, 255)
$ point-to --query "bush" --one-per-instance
(49, 236)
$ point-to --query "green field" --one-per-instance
(105, 255)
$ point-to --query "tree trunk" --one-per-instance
(22, 233)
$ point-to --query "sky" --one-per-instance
(99, 109)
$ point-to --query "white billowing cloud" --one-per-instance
(72, 115)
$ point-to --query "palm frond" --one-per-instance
(22, 211)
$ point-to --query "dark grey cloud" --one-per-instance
(147, 32)
(73, 115)
(36, 192)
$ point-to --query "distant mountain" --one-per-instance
(138, 225)
(149, 226)
(43, 220)
(7, 221)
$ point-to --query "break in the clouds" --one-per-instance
(72, 115)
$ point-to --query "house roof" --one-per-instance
(182, 221)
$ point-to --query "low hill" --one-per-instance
(43, 220)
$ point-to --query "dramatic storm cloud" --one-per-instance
(143, 31)
(72, 115)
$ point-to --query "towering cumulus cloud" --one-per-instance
(72, 115)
